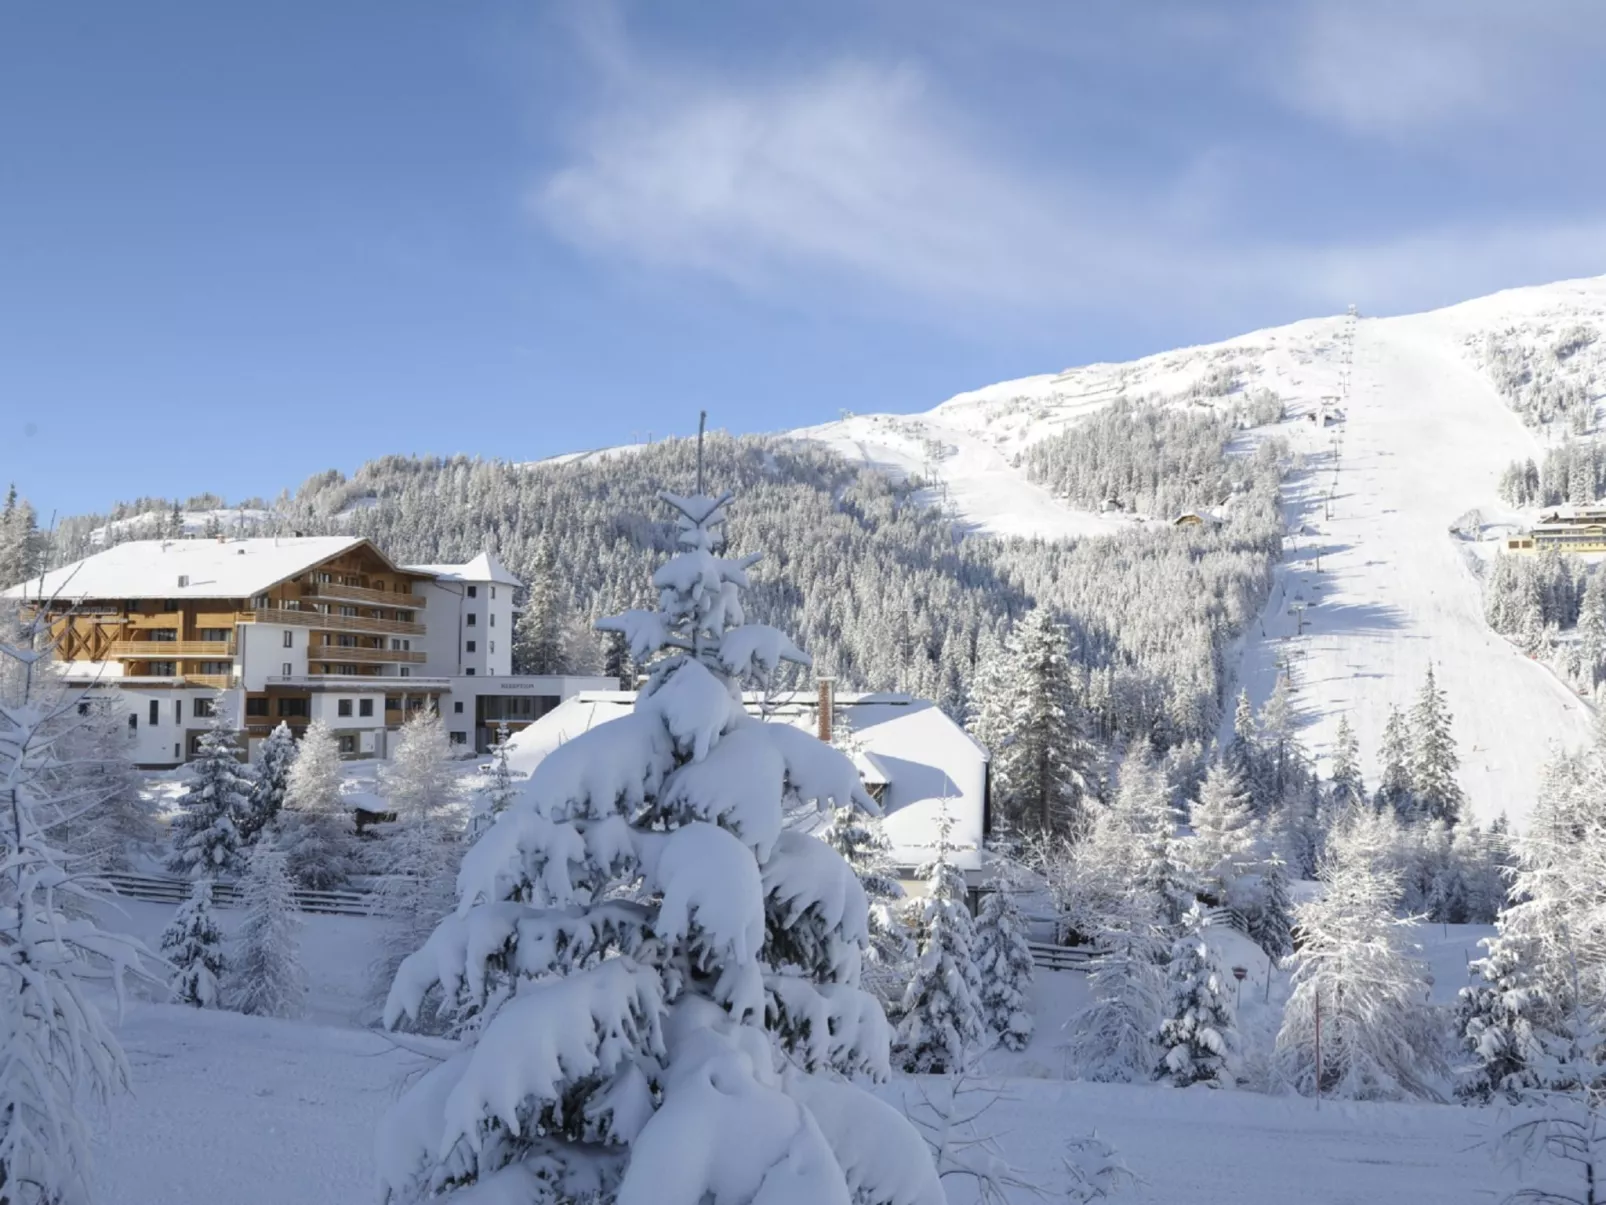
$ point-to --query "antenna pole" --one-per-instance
(702, 422)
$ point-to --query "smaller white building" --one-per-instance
(915, 761)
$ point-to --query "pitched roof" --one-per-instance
(209, 568)
(927, 762)
(483, 568)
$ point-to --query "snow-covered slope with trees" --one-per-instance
(1373, 587)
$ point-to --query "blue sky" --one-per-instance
(243, 243)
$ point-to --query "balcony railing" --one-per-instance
(392, 686)
(215, 681)
(336, 652)
(379, 598)
(331, 623)
(170, 650)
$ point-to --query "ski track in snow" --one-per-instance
(1424, 440)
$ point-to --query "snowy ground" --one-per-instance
(258, 1112)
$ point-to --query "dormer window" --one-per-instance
(183, 580)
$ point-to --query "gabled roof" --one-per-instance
(209, 568)
(483, 568)
(927, 762)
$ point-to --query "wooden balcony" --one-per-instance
(362, 594)
(170, 650)
(331, 623)
(214, 681)
(335, 652)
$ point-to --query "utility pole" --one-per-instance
(702, 422)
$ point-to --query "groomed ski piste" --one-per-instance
(1373, 587)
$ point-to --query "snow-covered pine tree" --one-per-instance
(315, 831)
(540, 634)
(1378, 1040)
(274, 759)
(1004, 960)
(1279, 762)
(859, 838)
(1242, 755)
(1222, 846)
(56, 1053)
(639, 935)
(206, 835)
(942, 1026)
(1527, 1017)
(1044, 767)
(499, 789)
(266, 979)
(193, 944)
(19, 540)
(1394, 756)
(1199, 1037)
(1433, 761)
(114, 821)
(1346, 789)
(1114, 1038)
(420, 854)
(1265, 908)
(1592, 630)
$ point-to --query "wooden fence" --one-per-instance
(226, 894)
(1046, 957)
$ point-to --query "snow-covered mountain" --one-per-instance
(1374, 587)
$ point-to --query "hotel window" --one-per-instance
(216, 667)
(493, 646)
(350, 612)
(348, 744)
(457, 706)
(285, 669)
(459, 738)
(473, 591)
(178, 711)
(171, 604)
(289, 640)
(161, 669)
(472, 619)
(493, 619)
(213, 634)
(343, 707)
(365, 707)
(202, 708)
(164, 635)
(294, 707)
(468, 647)
(405, 672)
(469, 672)
(257, 706)
(156, 713)
(133, 719)
(493, 591)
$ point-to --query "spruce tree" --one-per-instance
(1242, 755)
(1394, 789)
(1044, 770)
(641, 942)
(1433, 761)
(421, 854)
(1267, 910)
(315, 829)
(942, 1026)
(193, 943)
(1199, 1037)
(267, 979)
(1279, 749)
(274, 759)
(1004, 960)
(20, 551)
(206, 836)
(1222, 845)
(1345, 786)
(1592, 630)
(539, 636)
(859, 838)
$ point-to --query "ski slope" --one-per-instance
(1374, 587)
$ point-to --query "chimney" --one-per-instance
(826, 705)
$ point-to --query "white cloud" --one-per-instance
(855, 182)
(1406, 69)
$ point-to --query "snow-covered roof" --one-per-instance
(926, 761)
(483, 568)
(206, 568)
